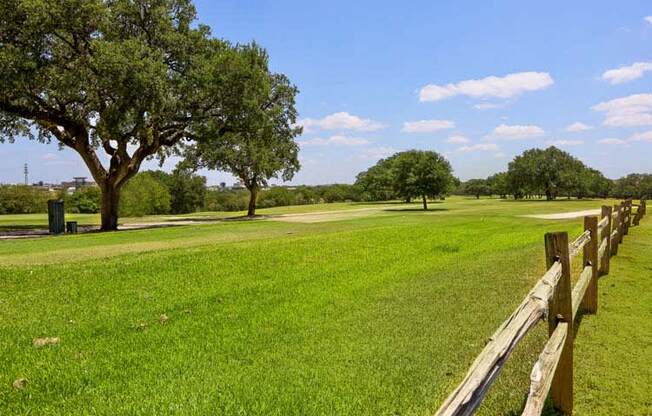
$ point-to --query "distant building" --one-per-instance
(237, 186)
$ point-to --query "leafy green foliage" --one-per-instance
(553, 172)
(85, 200)
(101, 76)
(253, 137)
(22, 199)
(144, 195)
(410, 174)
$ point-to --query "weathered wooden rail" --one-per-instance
(554, 300)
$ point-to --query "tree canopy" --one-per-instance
(253, 138)
(128, 78)
(409, 174)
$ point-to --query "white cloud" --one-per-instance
(427, 126)
(615, 142)
(578, 126)
(631, 111)
(458, 139)
(482, 147)
(648, 19)
(627, 73)
(564, 143)
(336, 140)
(376, 153)
(515, 132)
(49, 157)
(508, 86)
(487, 106)
(642, 137)
(341, 121)
(638, 137)
(499, 155)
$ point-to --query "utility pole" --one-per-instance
(26, 170)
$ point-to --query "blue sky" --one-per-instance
(478, 81)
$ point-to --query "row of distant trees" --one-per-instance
(549, 173)
(553, 173)
(537, 173)
(179, 192)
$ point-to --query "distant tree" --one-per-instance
(476, 187)
(550, 172)
(144, 195)
(424, 174)
(127, 78)
(635, 185)
(498, 184)
(23, 199)
(253, 137)
(84, 200)
(378, 181)
(187, 191)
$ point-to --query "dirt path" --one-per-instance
(565, 215)
(324, 216)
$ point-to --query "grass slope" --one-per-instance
(377, 315)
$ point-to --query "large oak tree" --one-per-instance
(254, 136)
(117, 81)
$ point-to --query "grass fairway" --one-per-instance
(613, 349)
(380, 314)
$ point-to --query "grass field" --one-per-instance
(374, 314)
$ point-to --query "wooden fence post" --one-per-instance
(590, 301)
(615, 242)
(640, 213)
(628, 216)
(605, 263)
(561, 309)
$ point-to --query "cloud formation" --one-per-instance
(427, 126)
(627, 73)
(481, 147)
(564, 143)
(638, 137)
(516, 132)
(508, 86)
(457, 139)
(487, 106)
(648, 19)
(577, 127)
(631, 111)
(337, 140)
(341, 121)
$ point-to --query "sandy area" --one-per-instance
(324, 216)
(566, 215)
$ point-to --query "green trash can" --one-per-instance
(56, 221)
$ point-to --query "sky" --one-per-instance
(477, 81)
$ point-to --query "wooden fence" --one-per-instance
(552, 299)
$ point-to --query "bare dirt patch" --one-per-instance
(565, 215)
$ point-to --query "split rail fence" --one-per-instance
(552, 299)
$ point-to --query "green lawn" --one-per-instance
(32, 221)
(380, 314)
(613, 349)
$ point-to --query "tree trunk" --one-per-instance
(253, 193)
(408, 200)
(110, 205)
(425, 203)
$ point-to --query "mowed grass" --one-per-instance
(613, 349)
(36, 221)
(373, 315)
